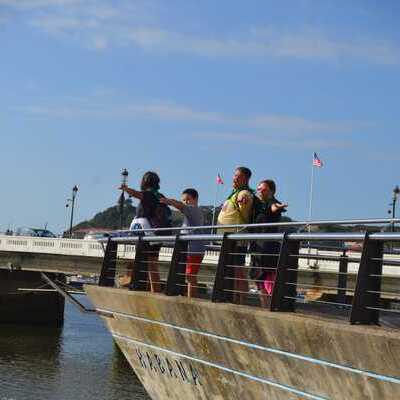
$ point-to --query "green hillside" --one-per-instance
(110, 218)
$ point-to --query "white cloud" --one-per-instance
(161, 111)
(65, 24)
(37, 4)
(269, 43)
(273, 139)
(99, 42)
(298, 45)
(298, 124)
(293, 126)
(102, 23)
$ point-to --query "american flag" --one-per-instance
(316, 161)
(219, 180)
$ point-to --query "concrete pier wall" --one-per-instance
(25, 307)
(192, 349)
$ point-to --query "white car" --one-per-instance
(96, 235)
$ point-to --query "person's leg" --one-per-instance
(192, 268)
(241, 285)
(125, 280)
(153, 274)
(272, 262)
(264, 298)
(269, 282)
(262, 295)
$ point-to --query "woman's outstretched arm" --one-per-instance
(278, 207)
(132, 192)
(172, 202)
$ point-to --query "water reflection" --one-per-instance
(122, 376)
(78, 361)
(29, 357)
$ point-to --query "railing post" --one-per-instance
(281, 292)
(176, 274)
(221, 284)
(140, 267)
(107, 274)
(368, 283)
(342, 277)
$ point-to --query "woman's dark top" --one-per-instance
(269, 250)
(267, 216)
(159, 215)
(148, 205)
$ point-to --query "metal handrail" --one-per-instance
(388, 236)
(229, 283)
(280, 224)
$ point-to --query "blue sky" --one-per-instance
(190, 89)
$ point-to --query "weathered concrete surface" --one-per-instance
(160, 324)
(52, 263)
(23, 307)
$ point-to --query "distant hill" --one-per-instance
(110, 218)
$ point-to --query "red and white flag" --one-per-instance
(219, 180)
(317, 161)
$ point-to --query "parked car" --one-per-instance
(35, 232)
(96, 235)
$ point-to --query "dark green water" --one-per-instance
(77, 362)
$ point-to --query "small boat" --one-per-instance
(78, 281)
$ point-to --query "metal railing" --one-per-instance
(266, 269)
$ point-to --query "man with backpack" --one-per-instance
(238, 209)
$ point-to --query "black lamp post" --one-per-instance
(396, 192)
(121, 201)
(74, 192)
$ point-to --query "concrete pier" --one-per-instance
(193, 349)
(29, 307)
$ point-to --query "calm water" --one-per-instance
(77, 362)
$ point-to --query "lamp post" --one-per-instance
(121, 201)
(74, 192)
(396, 192)
(66, 232)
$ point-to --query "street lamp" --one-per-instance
(396, 192)
(121, 201)
(74, 192)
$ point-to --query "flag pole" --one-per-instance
(310, 207)
(215, 206)
(311, 195)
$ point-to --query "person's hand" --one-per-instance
(164, 200)
(278, 207)
(243, 199)
(123, 187)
